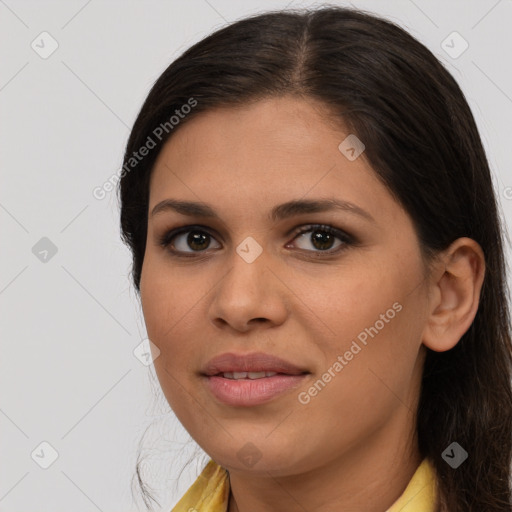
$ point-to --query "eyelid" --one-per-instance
(340, 233)
(168, 236)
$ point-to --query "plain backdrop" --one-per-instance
(75, 397)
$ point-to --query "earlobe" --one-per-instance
(455, 294)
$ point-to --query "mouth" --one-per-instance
(249, 375)
(248, 380)
(255, 365)
(239, 389)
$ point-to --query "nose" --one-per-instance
(250, 295)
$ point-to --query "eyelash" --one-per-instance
(166, 239)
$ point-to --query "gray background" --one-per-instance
(71, 322)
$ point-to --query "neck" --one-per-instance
(369, 477)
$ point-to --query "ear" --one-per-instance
(454, 294)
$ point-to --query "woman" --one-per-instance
(319, 257)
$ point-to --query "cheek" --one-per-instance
(348, 301)
(371, 320)
(376, 378)
(168, 309)
(165, 298)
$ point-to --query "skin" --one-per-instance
(353, 446)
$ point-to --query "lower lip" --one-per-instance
(249, 392)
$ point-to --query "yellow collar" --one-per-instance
(210, 491)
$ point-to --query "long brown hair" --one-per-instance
(422, 141)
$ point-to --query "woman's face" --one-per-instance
(347, 308)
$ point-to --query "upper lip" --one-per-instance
(253, 362)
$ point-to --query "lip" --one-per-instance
(249, 392)
(251, 362)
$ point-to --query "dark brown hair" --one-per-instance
(422, 142)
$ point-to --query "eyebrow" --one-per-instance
(279, 212)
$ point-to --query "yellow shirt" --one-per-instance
(210, 492)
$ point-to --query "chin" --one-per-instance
(260, 458)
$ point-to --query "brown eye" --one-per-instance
(196, 240)
(322, 239)
(189, 241)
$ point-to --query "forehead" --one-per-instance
(280, 125)
(270, 151)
